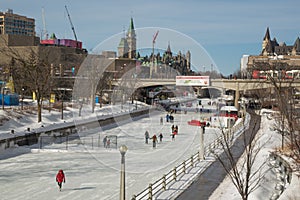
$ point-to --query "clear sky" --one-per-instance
(226, 29)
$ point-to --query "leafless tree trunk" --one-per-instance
(32, 71)
(284, 94)
(126, 87)
(240, 168)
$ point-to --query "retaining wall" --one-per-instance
(32, 137)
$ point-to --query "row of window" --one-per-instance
(19, 33)
(11, 20)
(18, 29)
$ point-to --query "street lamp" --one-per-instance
(22, 98)
(123, 150)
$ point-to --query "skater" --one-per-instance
(154, 140)
(105, 141)
(173, 136)
(172, 128)
(146, 137)
(160, 137)
(108, 143)
(176, 129)
(60, 177)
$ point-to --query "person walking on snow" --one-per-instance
(60, 178)
(160, 137)
(154, 140)
(146, 137)
(104, 141)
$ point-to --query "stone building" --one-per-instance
(275, 59)
(127, 45)
(17, 36)
(17, 30)
(150, 66)
(271, 47)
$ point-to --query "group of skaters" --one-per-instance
(154, 138)
(170, 118)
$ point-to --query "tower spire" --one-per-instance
(267, 35)
(131, 40)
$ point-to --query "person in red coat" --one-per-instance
(60, 177)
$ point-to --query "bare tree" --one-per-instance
(284, 96)
(31, 70)
(104, 85)
(93, 78)
(126, 87)
(240, 168)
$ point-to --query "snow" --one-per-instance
(94, 172)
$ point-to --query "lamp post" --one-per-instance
(62, 104)
(123, 150)
(22, 98)
(201, 150)
(2, 90)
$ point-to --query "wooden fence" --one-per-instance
(173, 175)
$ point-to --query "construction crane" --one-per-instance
(44, 32)
(153, 42)
(73, 29)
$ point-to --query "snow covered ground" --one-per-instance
(270, 140)
(29, 173)
(94, 173)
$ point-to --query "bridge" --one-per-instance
(227, 84)
(237, 85)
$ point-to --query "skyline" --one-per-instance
(225, 29)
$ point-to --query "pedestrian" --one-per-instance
(108, 143)
(160, 137)
(173, 136)
(105, 141)
(161, 121)
(167, 117)
(154, 140)
(146, 137)
(171, 118)
(60, 178)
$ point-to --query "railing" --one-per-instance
(173, 175)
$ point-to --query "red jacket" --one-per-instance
(60, 177)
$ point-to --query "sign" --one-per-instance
(192, 80)
(52, 98)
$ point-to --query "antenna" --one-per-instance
(73, 29)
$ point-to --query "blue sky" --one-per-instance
(225, 29)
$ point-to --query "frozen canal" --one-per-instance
(94, 173)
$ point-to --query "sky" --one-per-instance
(225, 30)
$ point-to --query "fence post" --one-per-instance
(199, 157)
(174, 173)
(150, 191)
(99, 141)
(41, 142)
(164, 182)
(67, 138)
(192, 161)
(92, 142)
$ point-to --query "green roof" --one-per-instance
(123, 43)
(131, 26)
